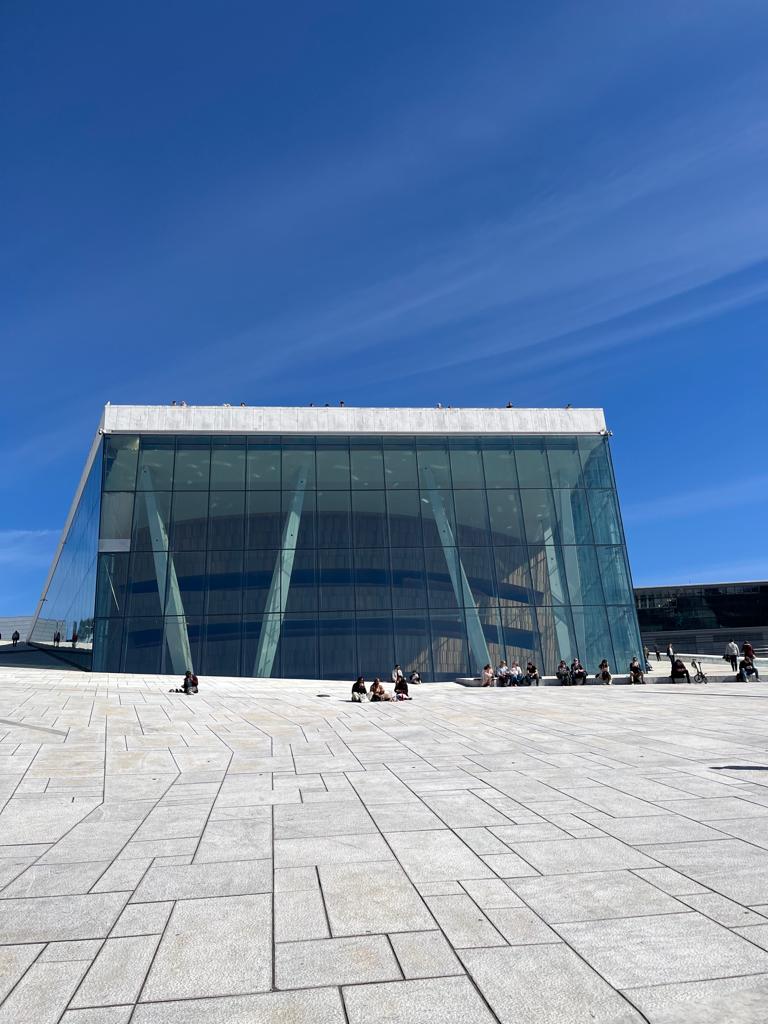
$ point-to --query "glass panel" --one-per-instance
(306, 501)
(520, 637)
(437, 518)
(494, 638)
(143, 641)
(297, 651)
(298, 468)
(264, 520)
(408, 578)
(174, 627)
(506, 517)
(375, 645)
(400, 467)
(404, 518)
(190, 520)
(573, 516)
(532, 465)
(592, 637)
(626, 639)
(193, 466)
(302, 592)
(369, 519)
(121, 456)
(337, 589)
(557, 636)
(264, 468)
(411, 639)
(155, 466)
(583, 575)
(564, 462)
(252, 629)
(478, 568)
(471, 518)
(190, 580)
(434, 466)
(146, 592)
(548, 577)
(227, 467)
(613, 570)
(221, 646)
(594, 459)
(225, 582)
(500, 468)
(450, 655)
(605, 517)
(226, 522)
(372, 578)
(111, 585)
(336, 636)
(107, 645)
(367, 468)
(513, 579)
(439, 581)
(333, 518)
(259, 570)
(116, 516)
(467, 467)
(539, 517)
(333, 469)
(151, 521)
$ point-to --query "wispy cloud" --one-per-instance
(27, 549)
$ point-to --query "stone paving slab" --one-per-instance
(258, 854)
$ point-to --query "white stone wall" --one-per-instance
(222, 419)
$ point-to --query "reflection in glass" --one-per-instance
(225, 582)
(333, 519)
(369, 519)
(564, 462)
(434, 465)
(531, 459)
(193, 467)
(411, 639)
(450, 653)
(263, 463)
(605, 517)
(367, 468)
(408, 578)
(375, 644)
(116, 515)
(613, 571)
(404, 509)
(592, 637)
(520, 637)
(227, 467)
(500, 468)
(121, 456)
(622, 621)
(471, 518)
(506, 517)
(337, 588)
(336, 646)
(467, 467)
(189, 521)
(400, 471)
(226, 520)
(333, 469)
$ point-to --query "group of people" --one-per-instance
(377, 692)
(511, 675)
(746, 668)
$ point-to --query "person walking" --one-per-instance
(671, 654)
(658, 652)
(15, 637)
(57, 639)
(732, 655)
(75, 638)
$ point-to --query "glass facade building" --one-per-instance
(702, 618)
(328, 555)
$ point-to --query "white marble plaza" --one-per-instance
(260, 853)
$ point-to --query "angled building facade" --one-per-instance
(323, 543)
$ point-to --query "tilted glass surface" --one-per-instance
(307, 557)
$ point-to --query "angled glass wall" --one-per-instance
(328, 557)
(68, 603)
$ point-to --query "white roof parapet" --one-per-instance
(224, 419)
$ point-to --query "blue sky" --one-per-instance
(393, 204)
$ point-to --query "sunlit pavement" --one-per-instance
(263, 853)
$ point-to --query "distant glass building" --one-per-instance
(323, 543)
(702, 618)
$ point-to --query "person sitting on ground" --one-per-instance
(502, 674)
(414, 678)
(578, 673)
(747, 670)
(679, 672)
(563, 674)
(397, 674)
(604, 673)
(359, 692)
(401, 689)
(487, 676)
(378, 692)
(515, 673)
(531, 677)
(635, 672)
(189, 683)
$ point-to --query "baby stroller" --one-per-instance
(700, 677)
